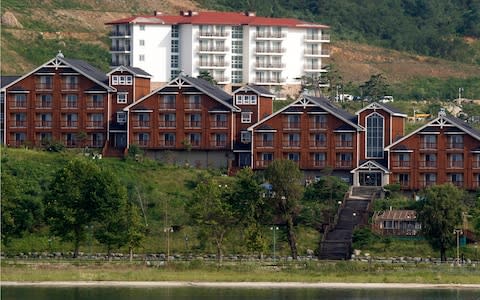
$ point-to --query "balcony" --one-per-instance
(193, 106)
(344, 164)
(269, 66)
(318, 125)
(212, 49)
(167, 124)
(455, 146)
(269, 35)
(120, 48)
(221, 79)
(167, 143)
(140, 124)
(213, 64)
(43, 86)
(317, 144)
(69, 105)
(264, 144)
(167, 106)
(120, 33)
(95, 124)
(457, 183)
(317, 38)
(193, 124)
(218, 144)
(401, 164)
(476, 164)
(43, 124)
(69, 124)
(314, 68)
(263, 163)
(454, 164)
(69, 86)
(271, 81)
(318, 163)
(269, 51)
(425, 183)
(94, 104)
(142, 142)
(317, 52)
(291, 144)
(427, 164)
(428, 146)
(18, 124)
(43, 104)
(213, 34)
(291, 125)
(16, 104)
(344, 144)
(218, 124)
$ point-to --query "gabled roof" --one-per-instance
(5, 80)
(392, 110)
(200, 84)
(442, 120)
(259, 90)
(311, 101)
(397, 214)
(216, 18)
(372, 164)
(79, 66)
(132, 70)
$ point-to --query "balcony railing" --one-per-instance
(120, 33)
(318, 163)
(69, 124)
(167, 106)
(43, 104)
(404, 185)
(213, 64)
(318, 37)
(458, 183)
(213, 34)
(263, 163)
(291, 144)
(261, 65)
(429, 146)
(401, 164)
(291, 125)
(218, 144)
(167, 143)
(120, 48)
(266, 80)
(43, 124)
(141, 124)
(425, 183)
(218, 124)
(344, 144)
(167, 124)
(193, 106)
(213, 49)
(476, 164)
(94, 104)
(71, 143)
(344, 164)
(18, 104)
(455, 164)
(220, 79)
(18, 143)
(43, 86)
(69, 86)
(142, 142)
(18, 124)
(427, 164)
(269, 50)
(95, 124)
(317, 144)
(69, 104)
(317, 52)
(270, 35)
(264, 144)
(193, 124)
(455, 146)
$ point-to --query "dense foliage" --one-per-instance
(434, 28)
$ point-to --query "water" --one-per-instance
(202, 293)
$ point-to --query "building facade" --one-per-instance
(235, 48)
(191, 121)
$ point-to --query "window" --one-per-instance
(142, 27)
(114, 79)
(195, 139)
(44, 137)
(319, 159)
(266, 140)
(219, 121)
(253, 99)
(319, 140)
(295, 156)
(428, 161)
(429, 179)
(143, 139)
(174, 46)
(96, 101)
(167, 102)
(239, 99)
(193, 102)
(402, 160)
(44, 101)
(319, 121)
(375, 123)
(455, 141)
(455, 160)
(344, 160)
(70, 139)
(122, 98)
(345, 140)
(44, 120)
(19, 138)
(245, 137)
(246, 117)
(174, 61)
(96, 120)
(45, 82)
(96, 139)
(70, 83)
(429, 141)
(70, 120)
(169, 139)
(71, 101)
(141, 57)
(237, 76)
(456, 179)
(267, 157)
(142, 120)
(220, 140)
(175, 32)
(237, 62)
(237, 32)
(121, 117)
(194, 120)
(128, 80)
(20, 100)
(169, 120)
(141, 42)
(292, 140)
(20, 120)
(293, 121)
(403, 179)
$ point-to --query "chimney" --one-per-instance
(249, 13)
(157, 13)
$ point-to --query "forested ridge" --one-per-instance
(440, 28)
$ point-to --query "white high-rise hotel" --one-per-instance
(234, 48)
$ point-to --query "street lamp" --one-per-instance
(167, 231)
(460, 91)
(458, 232)
(274, 229)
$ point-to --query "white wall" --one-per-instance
(188, 43)
(293, 59)
(156, 50)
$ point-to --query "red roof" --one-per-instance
(216, 18)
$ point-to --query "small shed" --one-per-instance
(395, 222)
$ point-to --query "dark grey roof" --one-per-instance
(464, 126)
(96, 88)
(87, 69)
(265, 127)
(401, 147)
(345, 127)
(260, 89)
(5, 80)
(210, 89)
(137, 71)
(327, 105)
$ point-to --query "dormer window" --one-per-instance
(246, 99)
(122, 80)
(122, 98)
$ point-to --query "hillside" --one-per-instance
(32, 32)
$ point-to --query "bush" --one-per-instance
(364, 237)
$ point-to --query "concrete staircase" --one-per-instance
(354, 211)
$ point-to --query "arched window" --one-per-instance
(375, 124)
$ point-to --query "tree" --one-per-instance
(135, 231)
(440, 212)
(320, 200)
(375, 87)
(248, 205)
(205, 75)
(80, 195)
(211, 212)
(285, 178)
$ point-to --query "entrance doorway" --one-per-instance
(370, 178)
